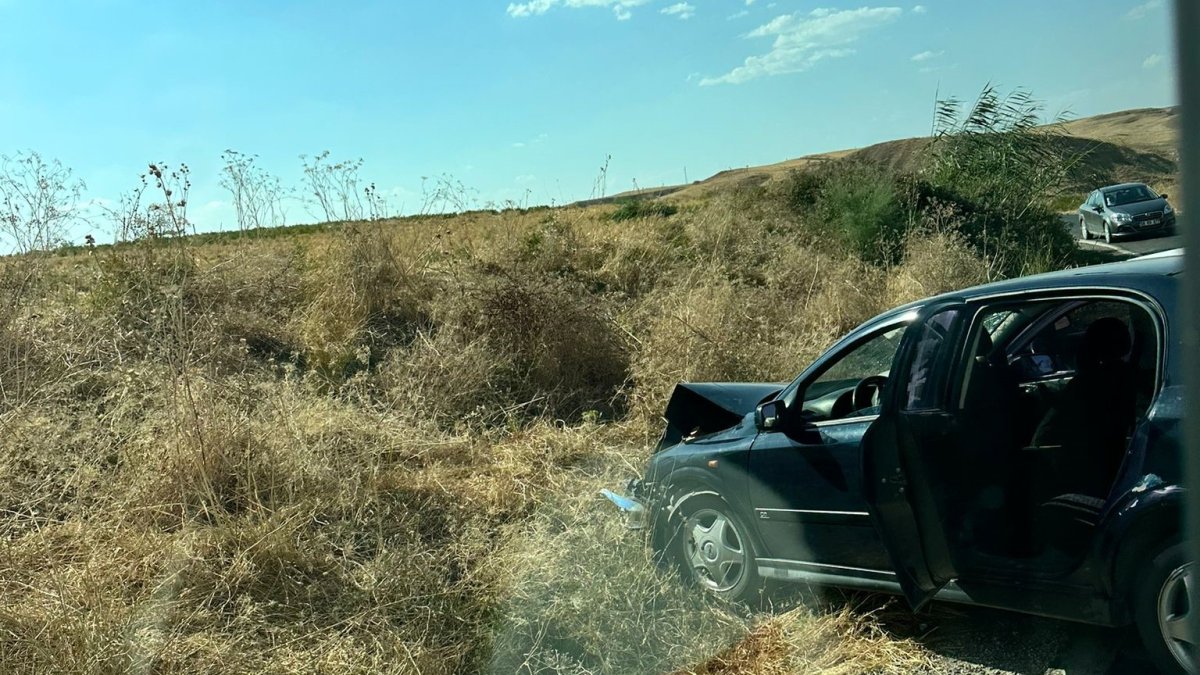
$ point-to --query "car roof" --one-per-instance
(1122, 186)
(1148, 274)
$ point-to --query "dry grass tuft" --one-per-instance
(833, 642)
(934, 264)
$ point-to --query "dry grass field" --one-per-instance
(376, 446)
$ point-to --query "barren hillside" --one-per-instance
(1130, 145)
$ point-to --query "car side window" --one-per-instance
(929, 371)
(873, 357)
(831, 395)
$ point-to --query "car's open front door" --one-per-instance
(916, 426)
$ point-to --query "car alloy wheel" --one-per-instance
(1177, 619)
(1165, 610)
(1084, 232)
(716, 550)
(1107, 233)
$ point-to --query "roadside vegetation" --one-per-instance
(376, 445)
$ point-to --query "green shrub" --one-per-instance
(803, 188)
(643, 208)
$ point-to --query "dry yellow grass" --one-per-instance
(378, 449)
(1153, 130)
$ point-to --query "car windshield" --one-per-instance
(1128, 195)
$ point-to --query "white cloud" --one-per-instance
(919, 9)
(537, 140)
(937, 69)
(926, 56)
(1144, 9)
(680, 9)
(802, 40)
(749, 2)
(737, 15)
(522, 9)
(620, 8)
(1152, 60)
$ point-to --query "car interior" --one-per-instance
(1047, 405)
(852, 386)
(1045, 408)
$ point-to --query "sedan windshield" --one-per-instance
(1128, 195)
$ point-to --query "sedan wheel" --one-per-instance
(1107, 233)
(715, 550)
(1177, 620)
(1166, 611)
(1084, 232)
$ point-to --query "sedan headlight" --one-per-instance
(1120, 218)
(1167, 210)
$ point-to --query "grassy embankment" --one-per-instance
(376, 446)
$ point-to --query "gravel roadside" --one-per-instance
(974, 641)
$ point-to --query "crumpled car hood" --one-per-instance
(699, 408)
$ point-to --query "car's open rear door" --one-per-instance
(916, 418)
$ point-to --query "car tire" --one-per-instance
(714, 549)
(1107, 233)
(1084, 232)
(1161, 608)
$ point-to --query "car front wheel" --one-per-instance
(1166, 617)
(1107, 233)
(714, 551)
(1084, 232)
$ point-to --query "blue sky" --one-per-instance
(523, 101)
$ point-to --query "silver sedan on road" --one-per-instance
(1125, 209)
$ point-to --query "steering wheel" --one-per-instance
(867, 391)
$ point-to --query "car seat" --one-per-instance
(1091, 423)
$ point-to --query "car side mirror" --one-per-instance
(769, 415)
(1099, 207)
(1163, 195)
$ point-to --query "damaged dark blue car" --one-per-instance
(1015, 445)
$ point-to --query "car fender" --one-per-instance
(1143, 523)
(682, 485)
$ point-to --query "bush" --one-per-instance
(555, 350)
(860, 208)
(711, 328)
(643, 208)
(870, 213)
(368, 292)
(935, 263)
(803, 187)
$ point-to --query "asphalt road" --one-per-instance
(1130, 245)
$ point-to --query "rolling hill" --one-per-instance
(1130, 145)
